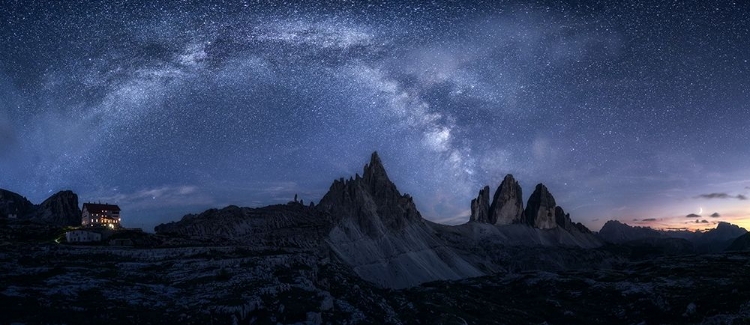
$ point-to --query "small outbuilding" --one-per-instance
(82, 236)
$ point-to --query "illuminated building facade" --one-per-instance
(100, 215)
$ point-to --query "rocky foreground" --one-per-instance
(54, 284)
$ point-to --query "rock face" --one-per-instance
(540, 209)
(562, 219)
(480, 207)
(382, 236)
(60, 209)
(507, 204)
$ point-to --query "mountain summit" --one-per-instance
(373, 201)
(506, 207)
(507, 204)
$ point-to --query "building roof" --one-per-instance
(100, 208)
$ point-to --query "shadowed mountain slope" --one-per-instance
(60, 209)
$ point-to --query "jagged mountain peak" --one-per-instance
(613, 223)
(375, 176)
(480, 207)
(372, 200)
(507, 203)
(726, 226)
(540, 209)
(375, 167)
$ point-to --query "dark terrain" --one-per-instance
(221, 285)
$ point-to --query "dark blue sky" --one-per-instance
(636, 110)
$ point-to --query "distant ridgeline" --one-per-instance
(724, 237)
(366, 224)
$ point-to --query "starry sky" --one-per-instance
(637, 111)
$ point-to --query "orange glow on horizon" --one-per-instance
(741, 219)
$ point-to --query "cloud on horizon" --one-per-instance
(715, 215)
(721, 196)
(692, 215)
(649, 219)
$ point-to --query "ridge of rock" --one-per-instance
(617, 232)
(540, 209)
(291, 225)
(507, 204)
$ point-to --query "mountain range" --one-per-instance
(711, 241)
(365, 255)
(365, 223)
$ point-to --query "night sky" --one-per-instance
(637, 110)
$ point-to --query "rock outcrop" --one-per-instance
(540, 209)
(507, 204)
(480, 207)
(60, 209)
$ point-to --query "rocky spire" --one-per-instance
(540, 209)
(375, 176)
(507, 204)
(480, 206)
(372, 200)
(562, 219)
